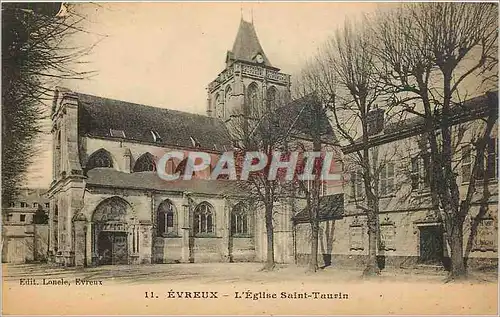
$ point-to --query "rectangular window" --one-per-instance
(357, 188)
(491, 159)
(22, 218)
(488, 162)
(47, 205)
(387, 179)
(420, 171)
(466, 163)
(426, 160)
(35, 205)
(13, 204)
(24, 205)
(415, 173)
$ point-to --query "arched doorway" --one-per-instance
(111, 224)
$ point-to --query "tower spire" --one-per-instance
(252, 14)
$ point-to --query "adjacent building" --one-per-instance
(411, 232)
(24, 227)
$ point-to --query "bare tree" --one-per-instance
(261, 127)
(313, 136)
(35, 54)
(427, 52)
(345, 76)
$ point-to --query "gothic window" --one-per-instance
(229, 94)
(239, 221)
(113, 209)
(253, 100)
(219, 106)
(271, 98)
(166, 219)
(203, 222)
(145, 163)
(100, 158)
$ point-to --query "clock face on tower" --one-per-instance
(259, 58)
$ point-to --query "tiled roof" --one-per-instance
(330, 207)
(149, 180)
(459, 110)
(98, 116)
(30, 196)
(246, 45)
(471, 109)
(302, 109)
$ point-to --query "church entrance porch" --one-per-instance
(115, 233)
(112, 248)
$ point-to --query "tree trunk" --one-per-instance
(270, 238)
(456, 252)
(372, 264)
(314, 195)
(313, 261)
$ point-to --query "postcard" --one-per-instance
(249, 158)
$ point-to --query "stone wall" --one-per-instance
(24, 243)
(345, 241)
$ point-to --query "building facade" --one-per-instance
(411, 232)
(24, 227)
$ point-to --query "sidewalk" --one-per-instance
(228, 272)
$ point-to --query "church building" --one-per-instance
(108, 205)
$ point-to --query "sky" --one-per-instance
(165, 54)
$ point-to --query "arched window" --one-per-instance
(203, 222)
(239, 221)
(166, 220)
(100, 158)
(253, 100)
(145, 163)
(219, 106)
(229, 96)
(271, 98)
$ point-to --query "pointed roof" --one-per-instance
(246, 45)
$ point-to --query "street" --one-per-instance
(240, 288)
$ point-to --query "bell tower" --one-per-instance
(249, 78)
